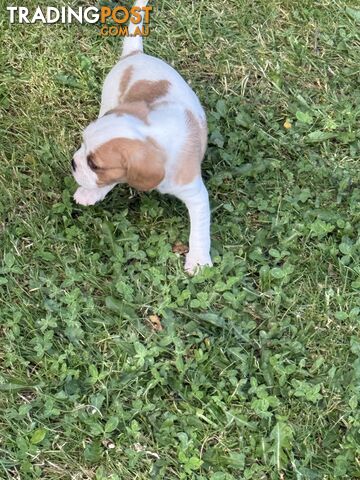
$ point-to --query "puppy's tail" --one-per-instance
(133, 42)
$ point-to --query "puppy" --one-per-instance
(151, 133)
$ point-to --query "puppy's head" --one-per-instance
(113, 151)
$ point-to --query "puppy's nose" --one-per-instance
(73, 165)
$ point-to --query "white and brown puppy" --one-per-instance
(152, 134)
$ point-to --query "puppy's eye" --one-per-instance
(91, 163)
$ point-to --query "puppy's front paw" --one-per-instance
(194, 263)
(85, 196)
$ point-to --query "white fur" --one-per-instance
(166, 125)
(87, 196)
(196, 199)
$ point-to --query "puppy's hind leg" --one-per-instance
(196, 199)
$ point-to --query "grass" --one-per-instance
(251, 370)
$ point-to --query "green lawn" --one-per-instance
(255, 373)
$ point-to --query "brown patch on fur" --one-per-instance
(193, 150)
(125, 80)
(139, 110)
(147, 91)
(135, 52)
(136, 162)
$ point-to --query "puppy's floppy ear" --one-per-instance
(137, 162)
(145, 164)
